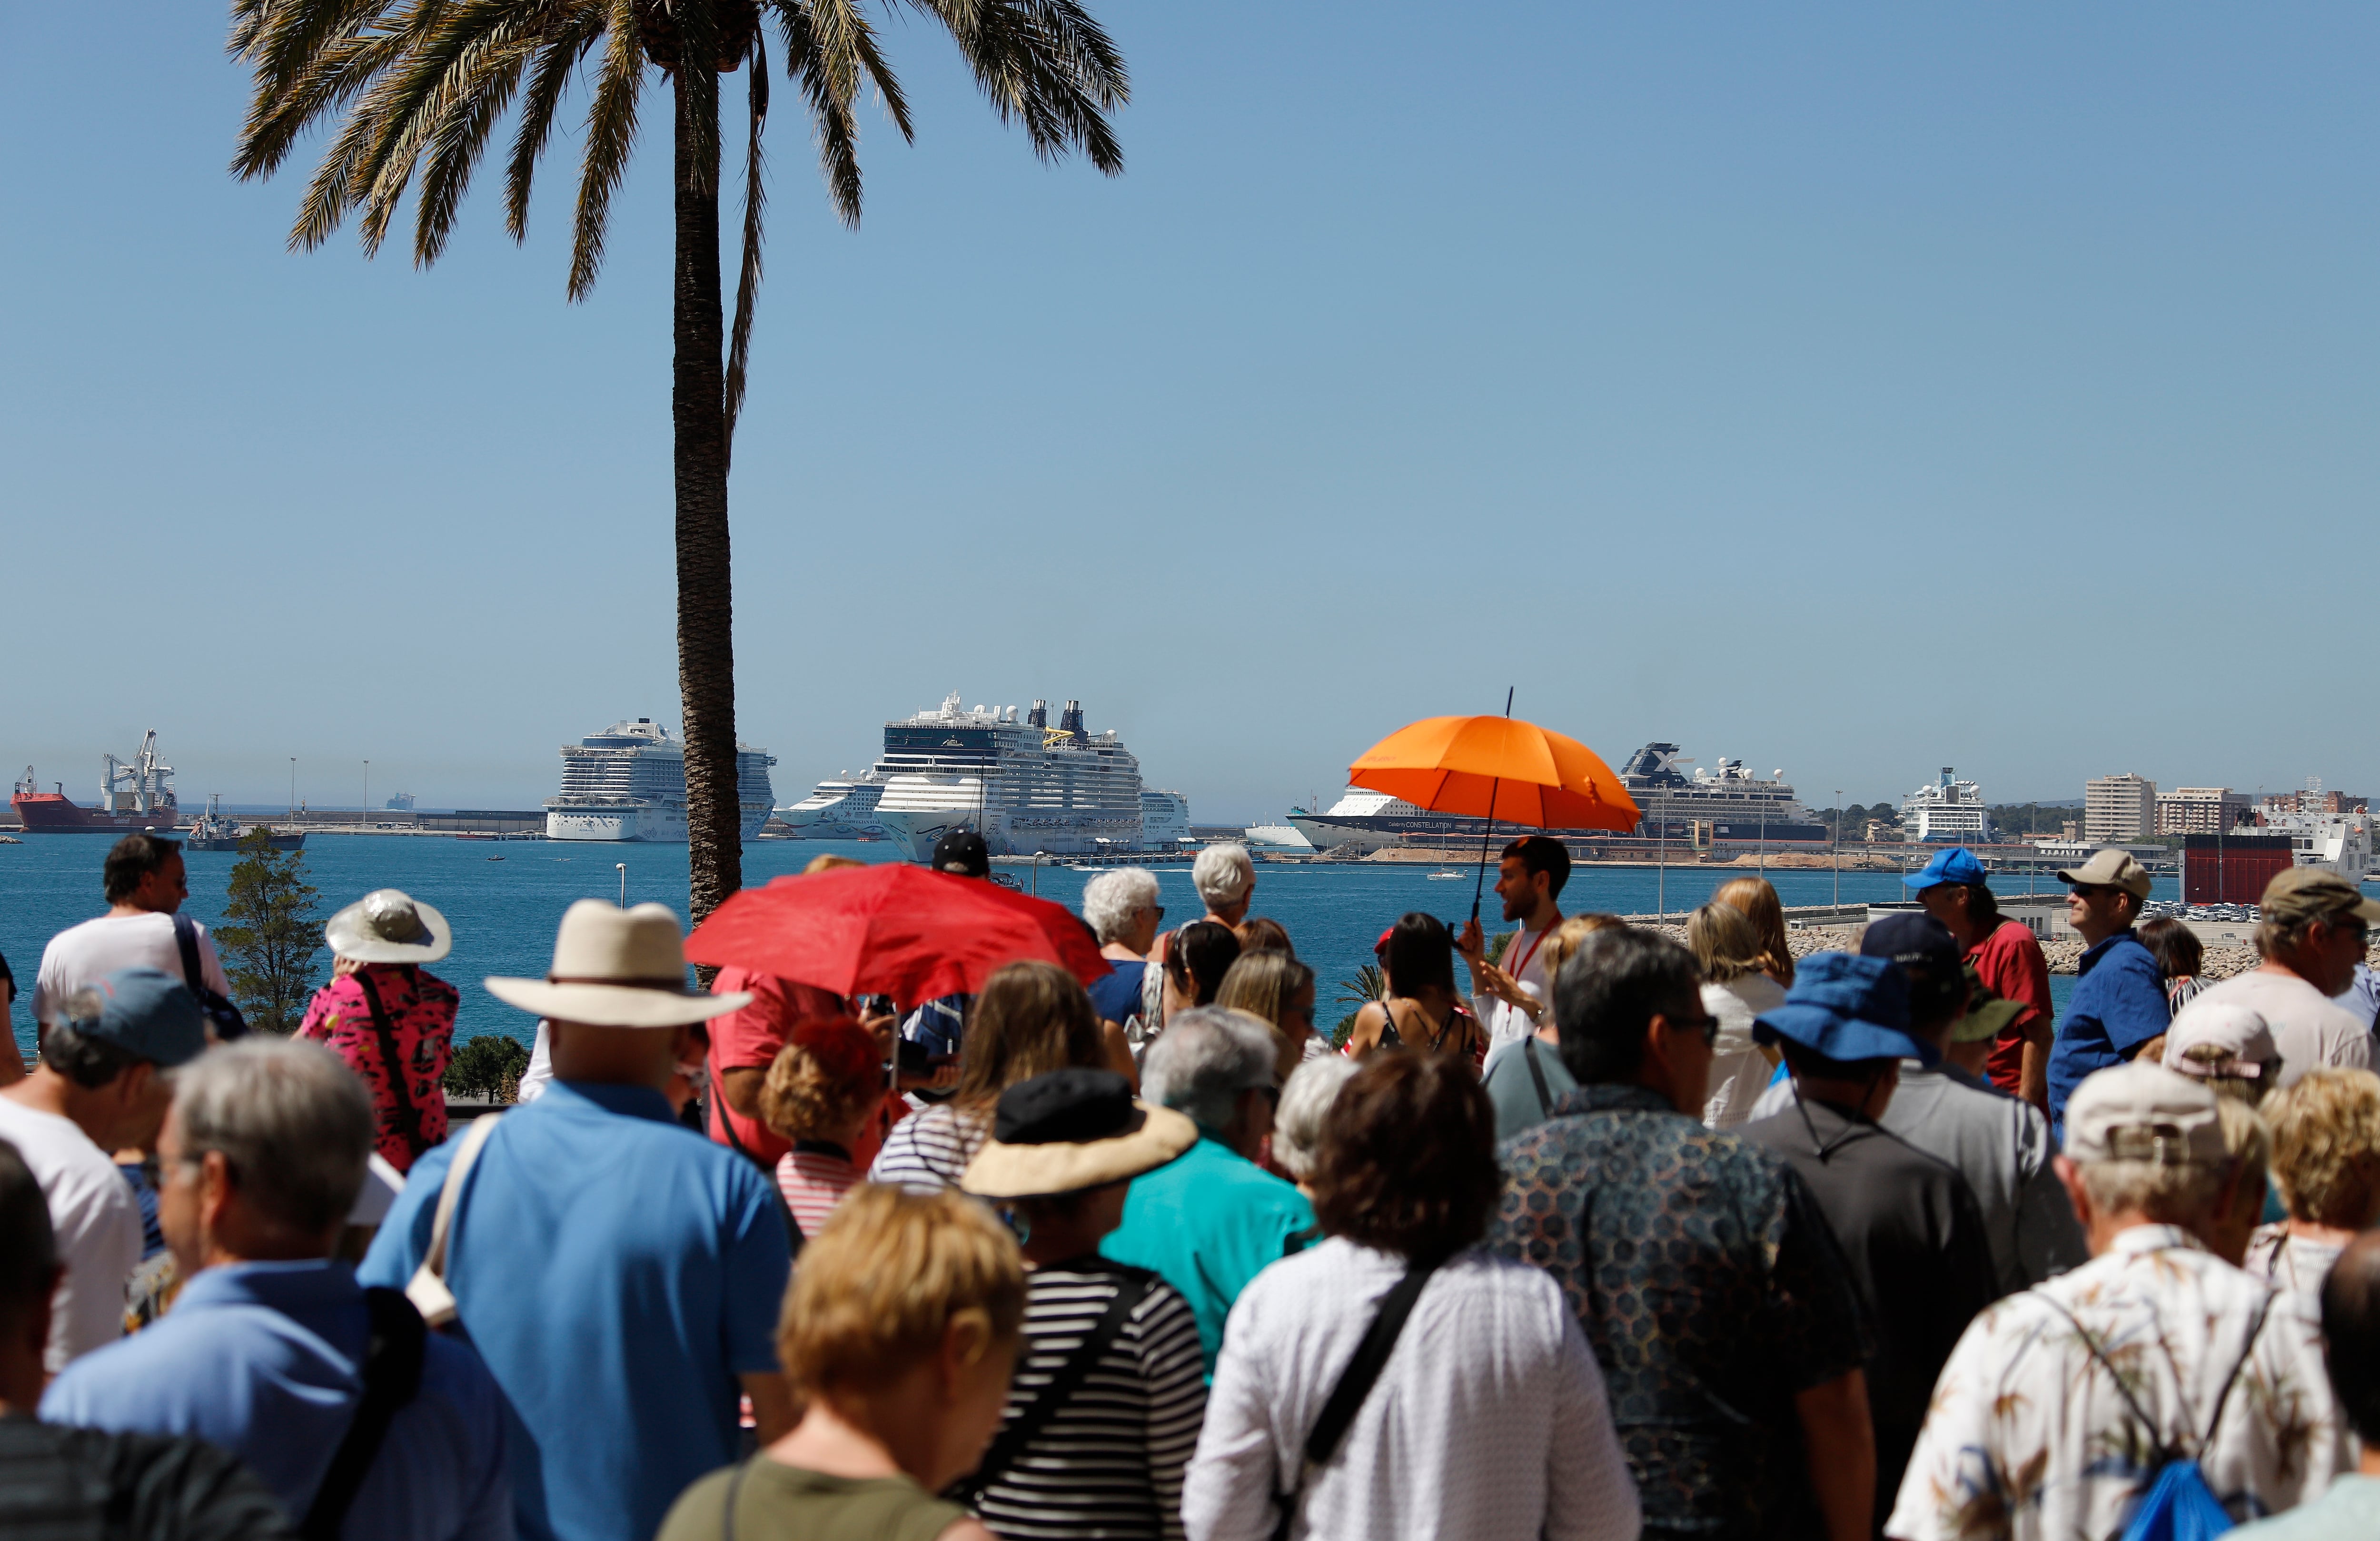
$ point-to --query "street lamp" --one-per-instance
(622, 868)
(1838, 848)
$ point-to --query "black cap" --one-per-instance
(1911, 938)
(963, 851)
(1065, 1107)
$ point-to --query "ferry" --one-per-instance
(1024, 784)
(628, 784)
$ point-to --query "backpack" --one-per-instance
(2180, 1504)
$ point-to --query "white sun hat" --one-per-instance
(616, 968)
(389, 926)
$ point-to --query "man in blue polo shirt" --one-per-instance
(2118, 1007)
(620, 1274)
(266, 1354)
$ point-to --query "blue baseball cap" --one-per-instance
(149, 1016)
(1847, 1008)
(1957, 865)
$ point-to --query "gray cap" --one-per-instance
(2110, 869)
(2137, 1112)
(149, 1016)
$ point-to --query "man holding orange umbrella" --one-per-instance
(1513, 1002)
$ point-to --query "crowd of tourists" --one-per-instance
(1613, 1236)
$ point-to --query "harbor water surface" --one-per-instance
(505, 898)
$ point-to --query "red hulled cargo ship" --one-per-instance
(133, 794)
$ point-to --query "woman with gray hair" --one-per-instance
(1226, 881)
(1121, 908)
(1297, 1124)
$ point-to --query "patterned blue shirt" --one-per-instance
(1711, 1290)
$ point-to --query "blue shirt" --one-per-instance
(1116, 995)
(1207, 1223)
(617, 1272)
(2118, 1005)
(263, 1360)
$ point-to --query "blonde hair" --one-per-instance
(2323, 1127)
(1262, 984)
(828, 863)
(885, 1279)
(1723, 942)
(1564, 940)
(1760, 904)
(829, 1073)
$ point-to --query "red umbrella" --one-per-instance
(891, 930)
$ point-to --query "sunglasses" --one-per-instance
(1707, 1025)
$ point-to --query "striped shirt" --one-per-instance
(928, 1152)
(1109, 1463)
(814, 1176)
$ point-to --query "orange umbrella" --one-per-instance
(1498, 768)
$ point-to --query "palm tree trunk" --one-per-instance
(706, 640)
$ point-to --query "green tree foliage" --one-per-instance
(405, 96)
(272, 929)
(2012, 819)
(1368, 985)
(488, 1067)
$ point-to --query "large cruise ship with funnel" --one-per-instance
(1024, 783)
(1720, 804)
(843, 809)
(628, 783)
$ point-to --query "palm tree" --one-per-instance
(416, 88)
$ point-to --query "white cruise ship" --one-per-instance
(1025, 785)
(843, 809)
(1164, 820)
(628, 783)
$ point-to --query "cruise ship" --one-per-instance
(843, 809)
(1722, 805)
(1025, 786)
(628, 783)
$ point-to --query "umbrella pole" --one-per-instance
(1480, 888)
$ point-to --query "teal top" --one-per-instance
(1207, 1223)
(2351, 1507)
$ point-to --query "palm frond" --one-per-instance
(755, 203)
(1046, 63)
(698, 89)
(610, 132)
(828, 89)
(456, 142)
(547, 83)
(343, 69)
(477, 52)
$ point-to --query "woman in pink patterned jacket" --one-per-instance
(391, 1020)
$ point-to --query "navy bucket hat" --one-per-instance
(1957, 865)
(1847, 1008)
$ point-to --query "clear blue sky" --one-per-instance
(1857, 390)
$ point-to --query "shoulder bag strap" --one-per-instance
(1354, 1385)
(1019, 1432)
(1537, 1075)
(408, 1117)
(392, 1375)
(185, 938)
(2165, 1451)
(2247, 1352)
(735, 1489)
(428, 1289)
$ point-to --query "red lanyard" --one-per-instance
(1533, 943)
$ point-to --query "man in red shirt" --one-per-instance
(2008, 961)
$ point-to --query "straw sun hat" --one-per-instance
(389, 926)
(616, 968)
(1072, 1130)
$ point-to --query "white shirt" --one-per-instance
(97, 1223)
(2028, 1437)
(1739, 1071)
(1505, 1021)
(2310, 1029)
(80, 957)
(1489, 1421)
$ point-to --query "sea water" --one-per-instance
(503, 899)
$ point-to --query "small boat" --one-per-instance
(495, 858)
(1456, 875)
(212, 831)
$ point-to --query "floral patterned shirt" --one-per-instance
(2030, 1438)
(1711, 1292)
(420, 1010)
